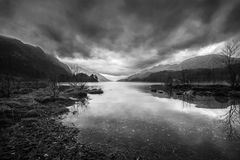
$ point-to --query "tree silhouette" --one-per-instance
(231, 52)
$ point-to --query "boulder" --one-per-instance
(161, 91)
(153, 90)
(77, 94)
(95, 91)
(179, 93)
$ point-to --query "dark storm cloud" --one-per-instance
(123, 26)
(7, 8)
(78, 11)
(51, 33)
(233, 20)
(68, 48)
(146, 63)
(166, 16)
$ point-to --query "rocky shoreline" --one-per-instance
(31, 127)
(201, 90)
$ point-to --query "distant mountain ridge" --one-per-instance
(210, 61)
(78, 69)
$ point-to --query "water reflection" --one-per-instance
(230, 119)
(231, 122)
(230, 108)
(78, 107)
(128, 119)
(75, 111)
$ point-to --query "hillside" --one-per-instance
(211, 61)
(25, 60)
(190, 75)
(203, 62)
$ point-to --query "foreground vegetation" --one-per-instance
(30, 126)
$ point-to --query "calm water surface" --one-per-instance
(135, 123)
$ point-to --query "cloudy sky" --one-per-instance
(120, 37)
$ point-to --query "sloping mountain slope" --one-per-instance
(78, 69)
(25, 60)
(216, 75)
(200, 62)
(203, 62)
(147, 72)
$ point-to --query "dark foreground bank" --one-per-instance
(30, 126)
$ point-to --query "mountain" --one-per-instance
(20, 59)
(211, 61)
(204, 62)
(145, 73)
(207, 75)
(78, 69)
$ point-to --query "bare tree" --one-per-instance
(183, 73)
(170, 81)
(6, 86)
(7, 79)
(54, 87)
(231, 52)
(75, 83)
